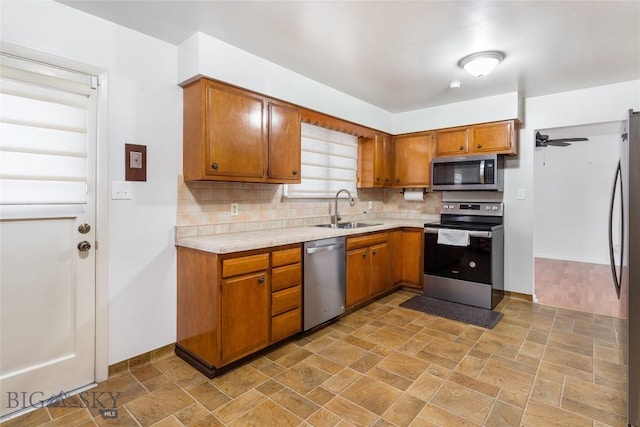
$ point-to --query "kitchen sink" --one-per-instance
(353, 224)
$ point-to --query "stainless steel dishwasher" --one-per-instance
(324, 280)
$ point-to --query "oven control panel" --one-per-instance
(472, 208)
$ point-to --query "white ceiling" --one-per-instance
(402, 55)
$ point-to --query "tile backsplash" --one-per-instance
(205, 207)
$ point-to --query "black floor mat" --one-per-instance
(454, 311)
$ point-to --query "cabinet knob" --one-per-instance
(397, 179)
(461, 147)
(295, 172)
(364, 254)
(378, 179)
(479, 145)
(214, 166)
(386, 180)
(373, 252)
(261, 279)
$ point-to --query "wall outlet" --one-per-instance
(234, 209)
(120, 190)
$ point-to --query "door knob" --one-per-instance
(84, 246)
(84, 228)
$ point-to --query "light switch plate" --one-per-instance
(120, 190)
(521, 194)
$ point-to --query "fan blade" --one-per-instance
(557, 143)
(569, 139)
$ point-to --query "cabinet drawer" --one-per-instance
(286, 324)
(286, 277)
(285, 300)
(285, 257)
(244, 265)
(367, 240)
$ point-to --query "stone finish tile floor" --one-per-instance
(384, 365)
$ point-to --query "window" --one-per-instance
(43, 135)
(328, 164)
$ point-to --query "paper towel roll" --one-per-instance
(414, 196)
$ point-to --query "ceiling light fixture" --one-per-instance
(482, 63)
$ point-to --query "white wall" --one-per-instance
(482, 110)
(594, 105)
(204, 55)
(572, 191)
(145, 107)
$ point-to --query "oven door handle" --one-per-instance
(471, 233)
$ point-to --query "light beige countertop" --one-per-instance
(258, 239)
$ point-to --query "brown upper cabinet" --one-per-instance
(231, 134)
(412, 155)
(497, 137)
(375, 161)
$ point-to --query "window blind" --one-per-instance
(43, 134)
(328, 164)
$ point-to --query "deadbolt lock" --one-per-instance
(84, 228)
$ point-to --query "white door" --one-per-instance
(47, 209)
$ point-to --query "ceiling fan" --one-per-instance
(543, 141)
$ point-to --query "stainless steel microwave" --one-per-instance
(464, 173)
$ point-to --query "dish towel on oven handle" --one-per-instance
(453, 237)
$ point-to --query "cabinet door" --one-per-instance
(394, 271)
(412, 258)
(451, 142)
(284, 143)
(246, 315)
(493, 138)
(357, 276)
(375, 161)
(413, 154)
(379, 266)
(382, 165)
(365, 174)
(235, 134)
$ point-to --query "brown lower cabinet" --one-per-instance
(366, 267)
(411, 256)
(232, 305)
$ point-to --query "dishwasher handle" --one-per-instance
(326, 248)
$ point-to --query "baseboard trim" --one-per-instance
(518, 295)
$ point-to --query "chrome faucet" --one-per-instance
(335, 218)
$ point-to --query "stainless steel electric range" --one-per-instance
(464, 254)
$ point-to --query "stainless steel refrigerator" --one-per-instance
(624, 250)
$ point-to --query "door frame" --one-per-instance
(102, 195)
